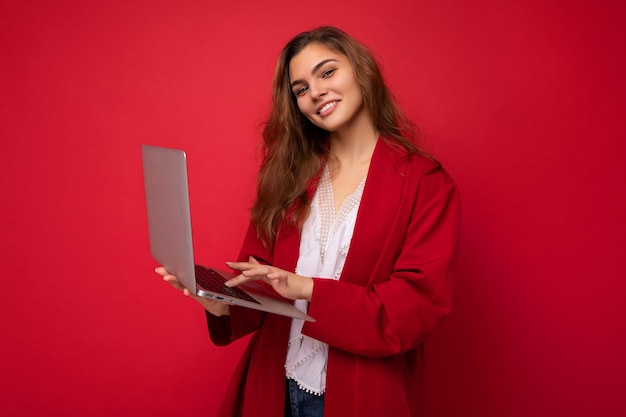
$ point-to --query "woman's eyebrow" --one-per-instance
(314, 70)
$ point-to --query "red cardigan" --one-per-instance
(395, 288)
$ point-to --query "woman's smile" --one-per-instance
(327, 108)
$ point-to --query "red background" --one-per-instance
(523, 101)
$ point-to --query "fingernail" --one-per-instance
(227, 283)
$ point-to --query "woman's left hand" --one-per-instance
(287, 284)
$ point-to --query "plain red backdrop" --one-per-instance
(523, 102)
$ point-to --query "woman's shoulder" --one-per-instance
(416, 164)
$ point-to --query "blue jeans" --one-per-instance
(299, 403)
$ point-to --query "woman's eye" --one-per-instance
(328, 73)
(300, 91)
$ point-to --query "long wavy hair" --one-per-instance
(294, 149)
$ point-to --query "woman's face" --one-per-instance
(325, 88)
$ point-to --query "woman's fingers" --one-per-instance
(170, 279)
(285, 283)
(174, 282)
(249, 272)
(161, 271)
(216, 308)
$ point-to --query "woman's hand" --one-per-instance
(217, 308)
(287, 284)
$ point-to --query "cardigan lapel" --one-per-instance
(379, 204)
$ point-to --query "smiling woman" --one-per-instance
(376, 273)
(522, 100)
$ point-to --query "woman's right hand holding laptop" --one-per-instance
(217, 308)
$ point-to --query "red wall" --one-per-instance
(523, 101)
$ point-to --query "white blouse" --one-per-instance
(324, 245)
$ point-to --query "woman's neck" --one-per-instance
(356, 144)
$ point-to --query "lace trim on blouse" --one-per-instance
(324, 245)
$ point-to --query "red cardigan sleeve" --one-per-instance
(387, 305)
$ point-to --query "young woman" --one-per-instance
(357, 226)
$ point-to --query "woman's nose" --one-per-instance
(318, 90)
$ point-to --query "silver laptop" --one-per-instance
(171, 243)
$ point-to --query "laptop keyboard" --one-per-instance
(211, 280)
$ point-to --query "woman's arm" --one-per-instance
(240, 321)
(409, 288)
